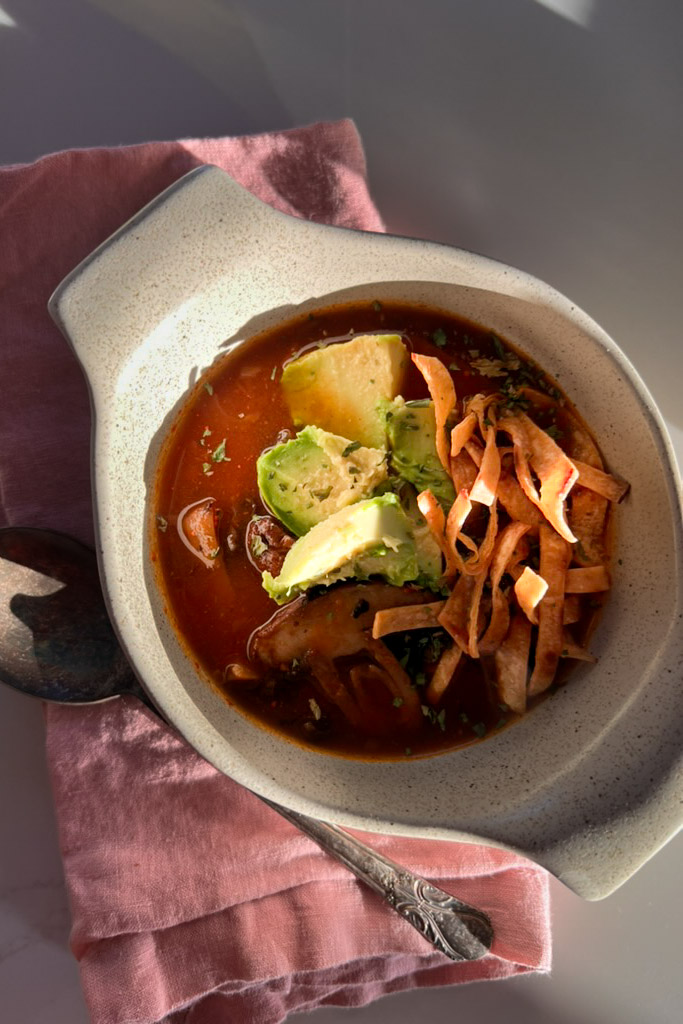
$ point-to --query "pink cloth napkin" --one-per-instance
(193, 902)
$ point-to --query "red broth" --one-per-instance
(239, 401)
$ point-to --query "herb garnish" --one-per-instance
(218, 454)
(353, 447)
(162, 524)
(439, 337)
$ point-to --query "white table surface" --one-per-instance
(546, 133)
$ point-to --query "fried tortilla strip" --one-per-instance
(459, 511)
(443, 674)
(436, 521)
(587, 518)
(512, 664)
(572, 609)
(473, 616)
(515, 502)
(530, 589)
(482, 559)
(587, 580)
(442, 391)
(485, 486)
(454, 616)
(555, 555)
(405, 618)
(463, 472)
(611, 487)
(570, 649)
(461, 433)
(499, 623)
(399, 682)
(534, 449)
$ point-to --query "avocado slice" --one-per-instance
(411, 431)
(339, 386)
(370, 538)
(429, 557)
(314, 475)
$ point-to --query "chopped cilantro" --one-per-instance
(360, 609)
(218, 454)
(453, 367)
(320, 495)
(206, 467)
(420, 679)
(439, 337)
(498, 346)
(500, 723)
(283, 487)
(353, 447)
(480, 729)
(398, 702)
(377, 306)
(408, 751)
(554, 432)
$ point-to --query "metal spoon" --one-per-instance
(57, 643)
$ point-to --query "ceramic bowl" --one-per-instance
(588, 784)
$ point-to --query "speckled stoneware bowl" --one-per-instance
(589, 784)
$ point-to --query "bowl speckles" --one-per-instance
(589, 784)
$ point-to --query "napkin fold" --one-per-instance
(192, 902)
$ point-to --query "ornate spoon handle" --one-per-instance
(460, 931)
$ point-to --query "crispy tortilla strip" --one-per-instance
(436, 521)
(399, 682)
(557, 474)
(459, 511)
(512, 664)
(587, 580)
(555, 554)
(405, 618)
(443, 674)
(611, 487)
(587, 519)
(475, 451)
(572, 609)
(499, 623)
(461, 433)
(530, 588)
(486, 485)
(442, 391)
(482, 559)
(463, 472)
(454, 616)
(515, 502)
(570, 649)
(473, 616)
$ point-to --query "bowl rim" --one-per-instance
(75, 284)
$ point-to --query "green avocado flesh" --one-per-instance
(369, 538)
(338, 387)
(411, 431)
(309, 478)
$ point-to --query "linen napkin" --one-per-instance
(192, 902)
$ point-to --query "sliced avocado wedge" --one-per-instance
(370, 538)
(339, 386)
(411, 431)
(307, 479)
